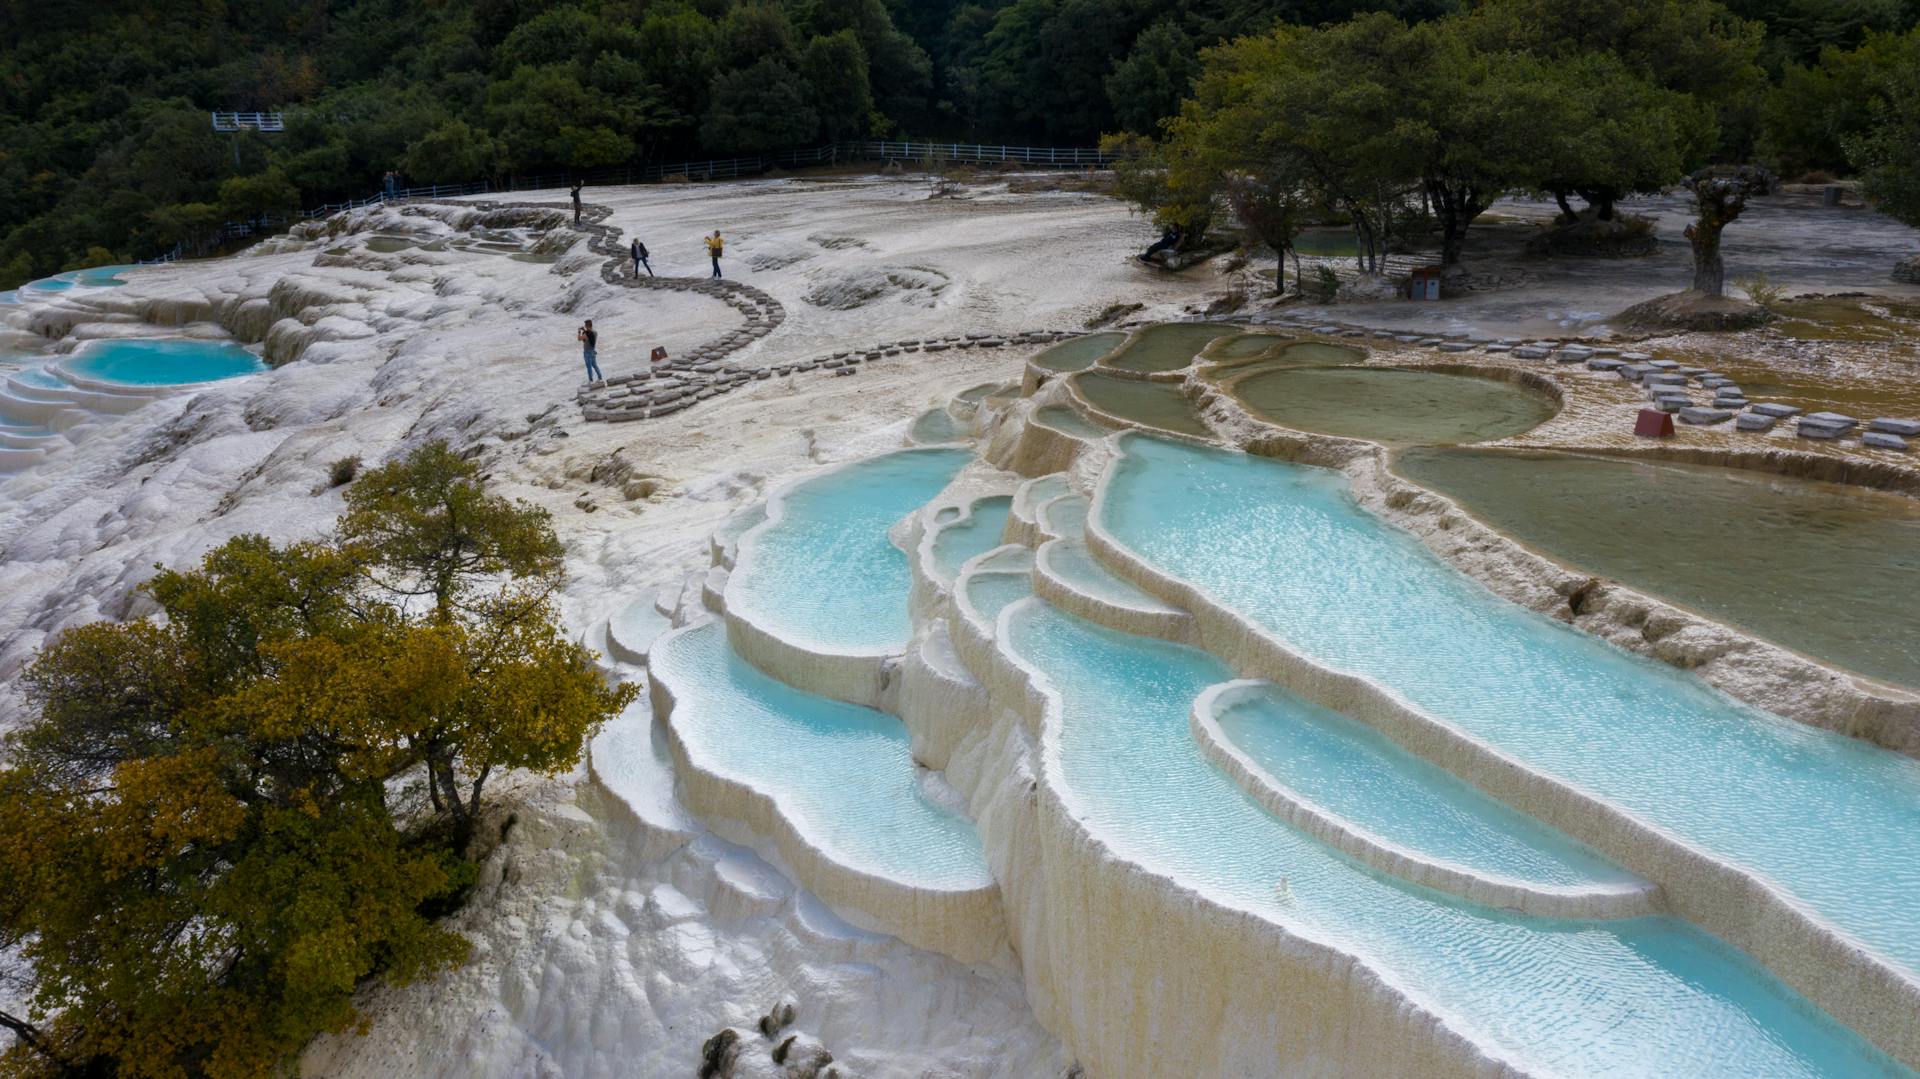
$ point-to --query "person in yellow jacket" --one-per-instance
(715, 248)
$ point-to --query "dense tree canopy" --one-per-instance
(1886, 148)
(210, 831)
(106, 153)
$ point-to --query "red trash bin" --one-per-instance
(1653, 423)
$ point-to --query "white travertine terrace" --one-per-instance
(1591, 901)
(1825, 964)
(1125, 964)
(963, 922)
(1143, 615)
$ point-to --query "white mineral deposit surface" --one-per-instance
(593, 955)
(612, 932)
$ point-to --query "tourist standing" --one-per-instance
(589, 349)
(715, 248)
(639, 253)
(392, 184)
(576, 202)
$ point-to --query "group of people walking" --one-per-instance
(588, 337)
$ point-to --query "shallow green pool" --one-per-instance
(1079, 352)
(1823, 568)
(1155, 404)
(1168, 346)
(1391, 404)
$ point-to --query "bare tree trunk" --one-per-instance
(1719, 196)
(1566, 208)
(1709, 270)
(479, 781)
(30, 1037)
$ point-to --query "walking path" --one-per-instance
(680, 382)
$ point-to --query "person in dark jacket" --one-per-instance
(639, 253)
(576, 202)
(1169, 240)
(589, 349)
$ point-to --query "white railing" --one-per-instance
(248, 121)
(965, 153)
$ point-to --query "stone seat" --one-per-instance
(1891, 426)
(1704, 416)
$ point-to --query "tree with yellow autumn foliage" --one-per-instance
(210, 832)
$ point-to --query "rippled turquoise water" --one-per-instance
(976, 535)
(845, 774)
(825, 572)
(1352, 772)
(1649, 997)
(1834, 821)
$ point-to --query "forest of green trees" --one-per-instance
(106, 153)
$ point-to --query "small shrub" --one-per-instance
(341, 472)
(1228, 304)
(1323, 286)
(1817, 176)
(1761, 290)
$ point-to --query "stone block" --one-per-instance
(1891, 426)
(1665, 365)
(1602, 364)
(1703, 417)
(1830, 418)
(1530, 352)
(1883, 440)
(1754, 421)
(1768, 408)
(1825, 432)
(1455, 346)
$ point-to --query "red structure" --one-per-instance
(1653, 423)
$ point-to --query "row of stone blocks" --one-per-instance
(1666, 384)
(640, 397)
(1665, 381)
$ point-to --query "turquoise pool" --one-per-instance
(821, 569)
(1647, 997)
(979, 533)
(843, 774)
(95, 277)
(1352, 772)
(1831, 820)
(161, 362)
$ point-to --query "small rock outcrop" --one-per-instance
(770, 1051)
(1692, 310)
